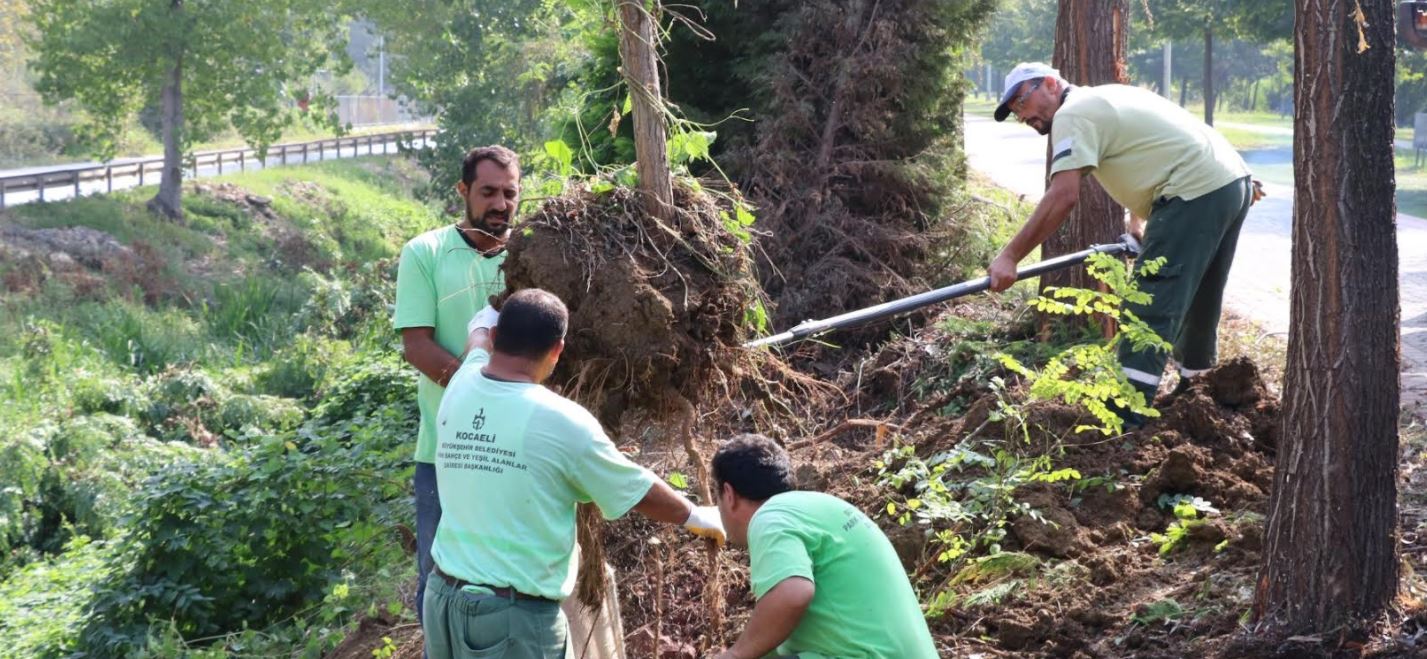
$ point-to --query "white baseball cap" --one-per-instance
(1023, 72)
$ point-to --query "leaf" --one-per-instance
(678, 480)
(562, 155)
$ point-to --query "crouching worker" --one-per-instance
(512, 460)
(828, 582)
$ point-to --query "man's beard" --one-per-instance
(483, 224)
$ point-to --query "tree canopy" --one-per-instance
(240, 64)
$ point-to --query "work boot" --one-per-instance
(1132, 420)
(1185, 382)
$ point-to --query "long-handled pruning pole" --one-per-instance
(809, 328)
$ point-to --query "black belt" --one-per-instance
(507, 593)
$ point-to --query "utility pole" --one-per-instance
(1168, 64)
(381, 66)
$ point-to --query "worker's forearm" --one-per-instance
(430, 358)
(1044, 222)
(774, 618)
(663, 504)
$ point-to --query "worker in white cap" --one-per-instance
(1162, 164)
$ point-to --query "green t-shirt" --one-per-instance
(442, 282)
(863, 604)
(513, 460)
(1140, 146)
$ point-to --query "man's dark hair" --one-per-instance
(756, 466)
(494, 153)
(531, 322)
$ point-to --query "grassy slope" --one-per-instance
(97, 371)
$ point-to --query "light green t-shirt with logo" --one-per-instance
(441, 282)
(1140, 146)
(512, 460)
(863, 605)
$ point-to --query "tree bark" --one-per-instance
(1330, 560)
(1208, 75)
(637, 39)
(168, 202)
(1089, 50)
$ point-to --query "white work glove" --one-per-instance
(484, 319)
(705, 522)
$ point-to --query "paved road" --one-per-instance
(1014, 157)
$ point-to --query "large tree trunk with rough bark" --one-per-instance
(1089, 50)
(1330, 561)
(168, 201)
(637, 40)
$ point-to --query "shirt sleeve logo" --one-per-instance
(1062, 149)
(479, 420)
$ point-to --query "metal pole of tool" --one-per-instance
(1127, 245)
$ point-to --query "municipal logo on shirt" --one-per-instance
(479, 420)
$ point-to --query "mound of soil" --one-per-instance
(1102, 587)
(656, 310)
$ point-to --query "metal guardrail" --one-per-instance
(145, 169)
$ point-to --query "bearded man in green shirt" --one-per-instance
(445, 275)
(1162, 164)
(828, 583)
(512, 461)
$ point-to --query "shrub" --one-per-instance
(301, 368)
(220, 546)
(72, 478)
(94, 393)
(248, 414)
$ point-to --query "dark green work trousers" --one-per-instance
(470, 623)
(1197, 238)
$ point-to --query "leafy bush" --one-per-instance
(244, 412)
(75, 477)
(1089, 375)
(93, 394)
(216, 546)
(42, 605)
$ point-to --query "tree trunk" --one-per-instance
(1089, 50)
(168, 201)
(1330, 560)
(1183, 91)
(637, 39)
(1208, 75)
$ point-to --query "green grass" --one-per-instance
(212, 292)
(980, 105)
(1246, 139)
(221, 335)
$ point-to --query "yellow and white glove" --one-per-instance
(484, 319)
(705, 522)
